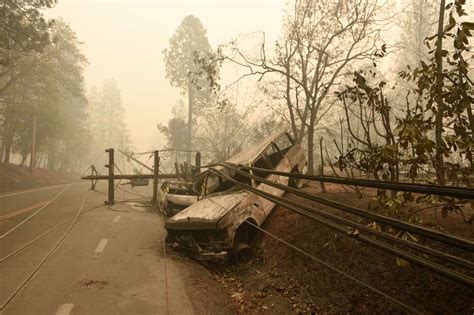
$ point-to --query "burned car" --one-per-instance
(222, 223)
(176, 196)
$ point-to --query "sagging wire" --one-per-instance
(148, 160)
(105, 194)
(43, 207)
(452, 191)
(48, 255)
(136, 193)
(93, 187)
(396, 301)
(424, 249)
(354, 233)
(328, 265)
(19, 249)
(415, 228)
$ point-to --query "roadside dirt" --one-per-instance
(202, 287)
(282, 280)
(15, 177)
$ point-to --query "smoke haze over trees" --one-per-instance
(310, 79)
(186, 44)
(42, 79)
(42, 93)
(321, 46)
(107, 116)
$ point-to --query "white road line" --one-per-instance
(31, 190)
(65, 309)
(117, 218)
(100, 247)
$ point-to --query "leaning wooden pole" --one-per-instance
(111, 167)
(156, 172)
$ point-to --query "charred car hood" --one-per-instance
(183, 200)
(205, 212)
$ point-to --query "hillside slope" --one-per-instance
(14, 177)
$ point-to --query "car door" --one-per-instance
(275, 160)
(292, 151)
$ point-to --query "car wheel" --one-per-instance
(242, 254)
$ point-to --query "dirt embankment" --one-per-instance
(283, 281)
(14, 177)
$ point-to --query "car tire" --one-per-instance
(242, 254)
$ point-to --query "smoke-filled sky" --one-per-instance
(124, 40)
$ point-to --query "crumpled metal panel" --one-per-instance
(208, 209)
(182, 200)
(248, 156)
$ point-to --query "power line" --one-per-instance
(333, 268)
(354, 233)
(48, 255)
(433, 234)
(458, 192)
(362, 227)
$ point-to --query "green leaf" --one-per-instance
(468, 25)
(452, 23)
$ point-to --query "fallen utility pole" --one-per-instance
(111, 177)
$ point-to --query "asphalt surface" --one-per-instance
(113, 260)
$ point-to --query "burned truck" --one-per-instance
(223, 221)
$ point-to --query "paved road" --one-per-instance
(112, 261)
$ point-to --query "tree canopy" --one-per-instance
(187, 47)
(189, 40)
(107, 116)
